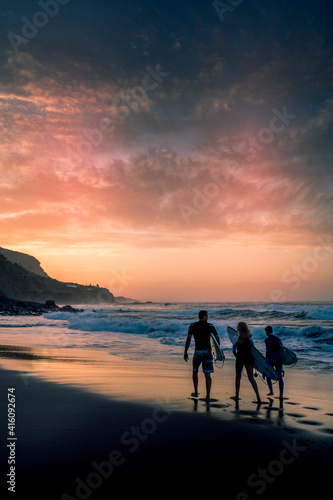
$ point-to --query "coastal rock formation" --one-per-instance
(32, 284)
(29, 262)
(10, 307)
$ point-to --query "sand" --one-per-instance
(93, 426)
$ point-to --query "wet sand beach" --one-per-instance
(89, 425)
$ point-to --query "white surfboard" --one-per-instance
(259, 361)
(218, 353)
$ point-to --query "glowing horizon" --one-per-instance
(196, 171)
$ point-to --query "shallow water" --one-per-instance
(156, 331)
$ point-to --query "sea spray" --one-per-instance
(151, 331)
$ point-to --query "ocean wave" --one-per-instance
(91, 322)
(272, 313)
(252, 311)
(321, 313)
(187, 311)
(305, 328)
(173, 330)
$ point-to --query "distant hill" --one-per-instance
(127, 300)
(22, 278)
(27, 261)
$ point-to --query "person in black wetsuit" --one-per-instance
(201, 331)
(242, 351)
(273, 357)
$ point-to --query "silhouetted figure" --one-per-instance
(201, 331)
(273, 357)
(242, 351)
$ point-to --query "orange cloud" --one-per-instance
(83, 166)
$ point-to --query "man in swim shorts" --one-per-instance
(201, 331)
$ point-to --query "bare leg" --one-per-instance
(208, 385)
(249, 370)
(239, 369)
(195, 383)
(270, 386)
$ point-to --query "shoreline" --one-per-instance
(145, 381)
(144, 427)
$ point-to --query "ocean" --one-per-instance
(157, 331)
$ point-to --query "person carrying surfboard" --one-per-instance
(201, 331)
(242, 351)
(273, 357)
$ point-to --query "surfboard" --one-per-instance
(288, 356)
(259, 361)
(218, 353)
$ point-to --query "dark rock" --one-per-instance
(69, 309)
(10, 307)
(50, 303)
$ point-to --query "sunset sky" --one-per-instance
(170, 151)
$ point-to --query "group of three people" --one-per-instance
(201, 331)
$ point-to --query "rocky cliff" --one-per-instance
(22, 278)
(27, 261)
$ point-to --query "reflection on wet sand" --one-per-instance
(99, 372)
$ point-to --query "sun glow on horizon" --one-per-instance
(185, 166)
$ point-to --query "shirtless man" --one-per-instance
(201, 331)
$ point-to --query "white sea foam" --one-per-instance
(306, 328)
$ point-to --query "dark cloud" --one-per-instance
(174, 135)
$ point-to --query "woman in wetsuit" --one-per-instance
(242, 351)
